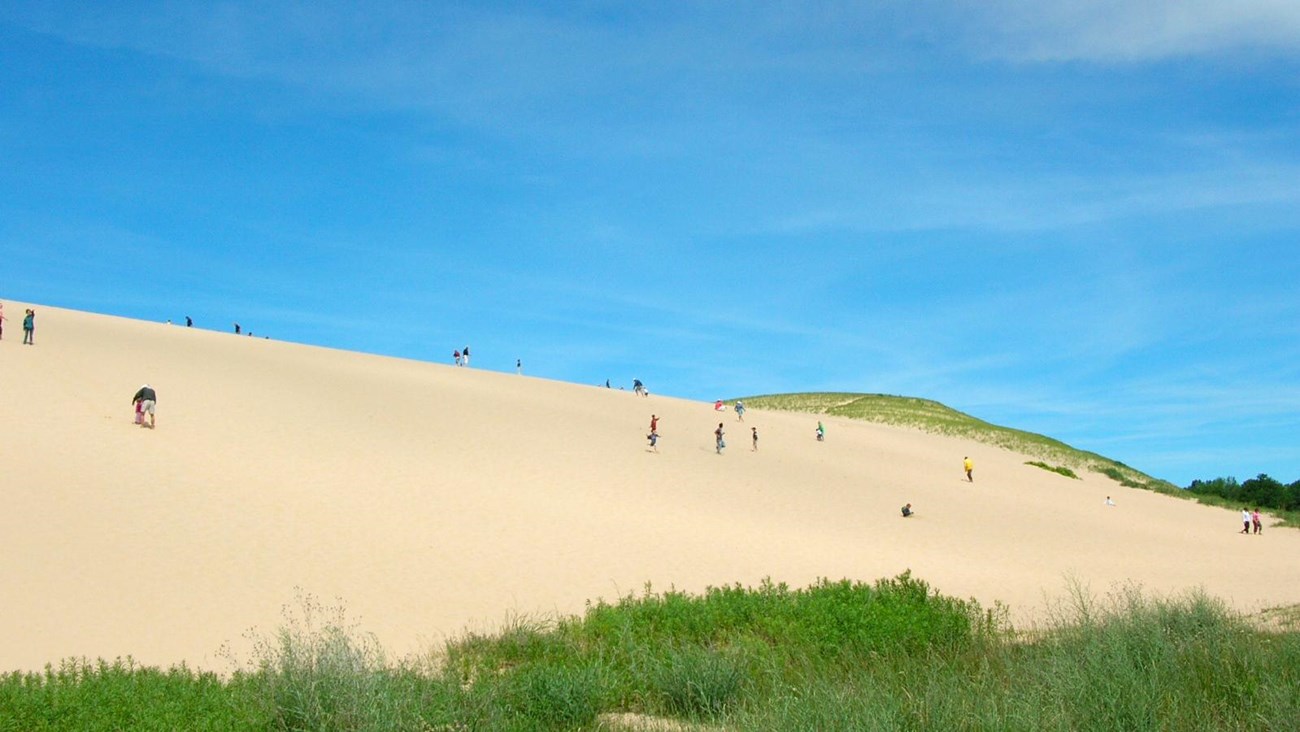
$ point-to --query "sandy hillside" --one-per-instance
(430, 499)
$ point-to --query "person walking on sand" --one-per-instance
(1256, 522)
(718, 442)
(29, 328)
(740, 410)
(464, 356)
(1245, 520)
(237, 331)
(455, 355)
(189, 322)
(519, 366)
(821, 432)
(754, 438)
(2, 320)
(654, 422)
(147, 398)
(968, 466)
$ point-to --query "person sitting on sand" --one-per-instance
(907, 510)
(147, 398)
(1109, 502)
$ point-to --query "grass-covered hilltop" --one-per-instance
(933, 417)
(1054, 455)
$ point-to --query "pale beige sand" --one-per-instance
(430, 499)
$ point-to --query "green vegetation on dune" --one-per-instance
(1058, 469)
(840, 655)
(931, 416)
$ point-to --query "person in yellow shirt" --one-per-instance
(969, 466)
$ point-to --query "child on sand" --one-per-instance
(146, 400)
(740, 411)
(755, 438)
(821, 432)
(719, 443)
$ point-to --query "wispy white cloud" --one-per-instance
(1044, 202)
(1125, 31)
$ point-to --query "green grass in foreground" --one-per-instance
(836, 656)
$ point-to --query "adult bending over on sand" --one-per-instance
(147, 398)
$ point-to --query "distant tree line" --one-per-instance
(1260, 491)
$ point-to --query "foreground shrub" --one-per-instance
(696, 683)
(892, 655)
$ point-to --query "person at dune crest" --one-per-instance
(455, 355)
(2, 320)
(29, 328)
(147, 400)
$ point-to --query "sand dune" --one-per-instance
(429, 499)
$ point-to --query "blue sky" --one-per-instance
(1074, 218)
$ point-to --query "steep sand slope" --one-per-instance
(430, 499)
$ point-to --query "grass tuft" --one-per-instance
(1058, 469)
